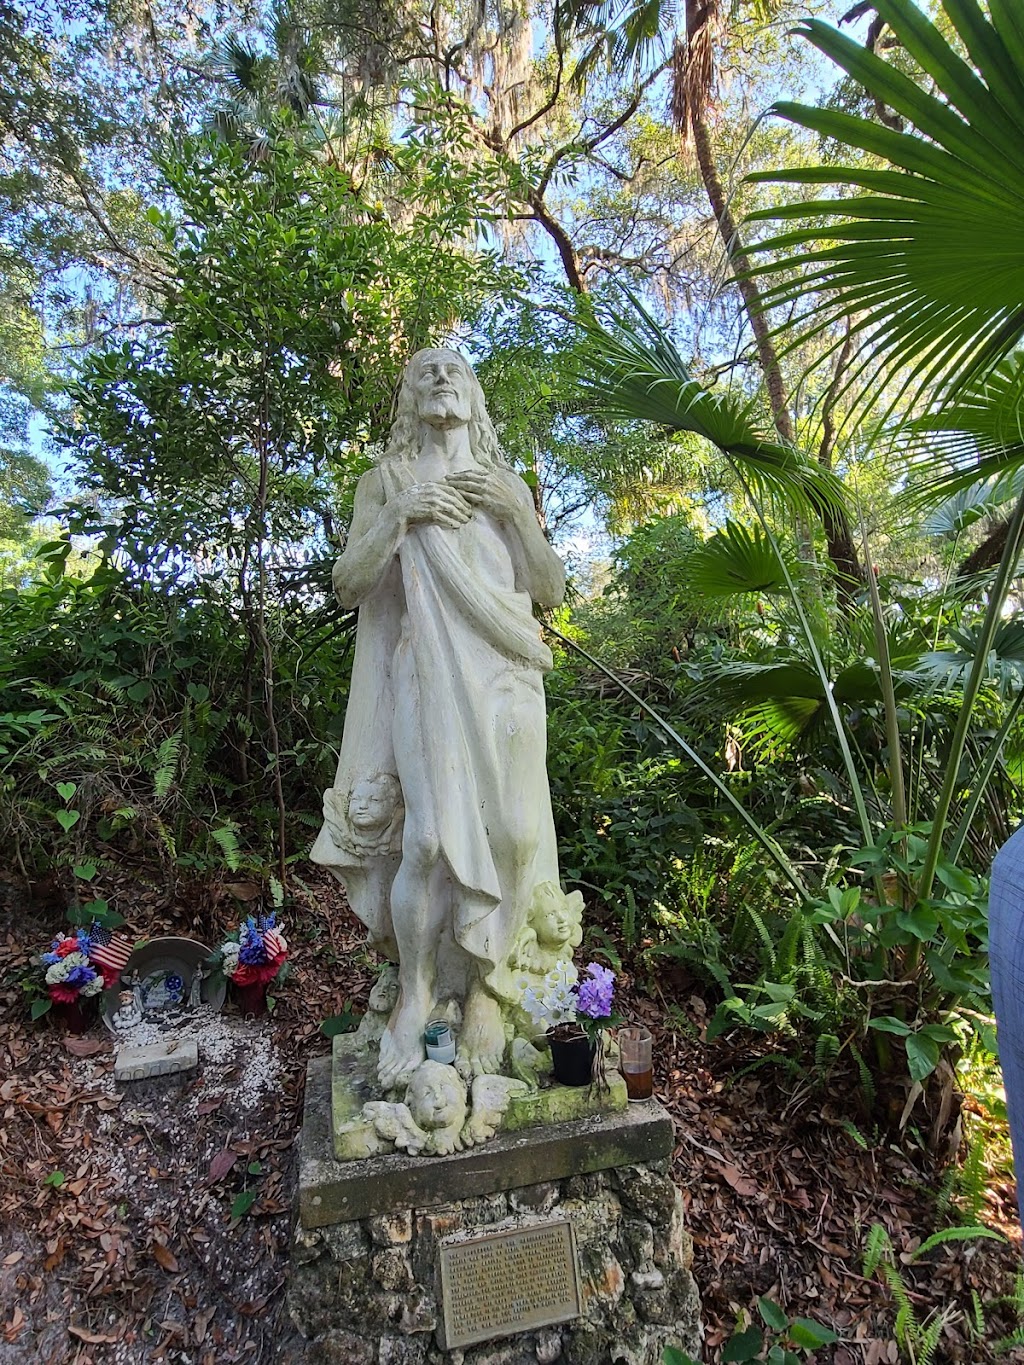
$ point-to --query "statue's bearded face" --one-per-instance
(440, 382)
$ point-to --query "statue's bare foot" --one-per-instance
(482, 1042)
(401, 1044)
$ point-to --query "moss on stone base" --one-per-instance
(353, 1064)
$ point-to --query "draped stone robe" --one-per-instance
(449, 655)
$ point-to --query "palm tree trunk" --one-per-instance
(740, 262)
(841, 548)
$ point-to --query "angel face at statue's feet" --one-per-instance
(436, 1097)
(441, 387)
(549, 918)
(384, 995)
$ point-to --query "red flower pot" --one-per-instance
(252, 999)
(77, 1015)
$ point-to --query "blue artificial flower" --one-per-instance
(251, 950)
(79, 977)
(50, 958)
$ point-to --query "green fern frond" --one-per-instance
(944, 1198)
(166, 837)
(225, 839)
(928, 1336)
(955, 1234)
(971, 1181)
(826, 1050)
(867, 1082)
(852, 1131)
(764, 936)
(876, 1248)
(977, 1319)
(905, 1328)
(166, 765)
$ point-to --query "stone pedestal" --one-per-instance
(365, 1279)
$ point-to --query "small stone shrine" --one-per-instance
(456, 1204)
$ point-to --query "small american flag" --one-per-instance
(109, 950)
(272, 943)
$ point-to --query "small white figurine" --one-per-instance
(554, 928)
(195, 990)
(128, 1012)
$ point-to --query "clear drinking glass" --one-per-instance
(635, 1062)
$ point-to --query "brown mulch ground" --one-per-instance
(134, 1255)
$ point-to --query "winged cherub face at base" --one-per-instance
(436, 1097)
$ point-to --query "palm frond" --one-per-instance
(737, 560)
(242, 66)
(961, 510)
(631, 370)
(772, 727)
(946, 669)
(927, 259)
(976, 437)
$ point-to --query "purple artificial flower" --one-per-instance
(595, 994)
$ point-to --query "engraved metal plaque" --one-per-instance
(504, 1282)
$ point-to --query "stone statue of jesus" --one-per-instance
(439, 822)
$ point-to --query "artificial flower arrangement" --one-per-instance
(78, 967)
(70, 974)
(572, 1011)
(252, 956)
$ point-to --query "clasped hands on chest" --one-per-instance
(452, 500)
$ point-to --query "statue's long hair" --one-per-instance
(403, 439)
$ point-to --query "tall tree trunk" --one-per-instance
(740, 262)
(841, 548)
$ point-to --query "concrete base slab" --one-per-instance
(333, 1192)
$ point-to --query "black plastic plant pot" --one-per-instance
(572, 1058)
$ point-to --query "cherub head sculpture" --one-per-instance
(437, 1101)
(366, 821)
(556, 918)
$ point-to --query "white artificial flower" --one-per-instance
(534, 1007)
(562, 974)
(92, 987)
(555, 1003)
(60, 971)
(230, 953)
(561, 1003)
